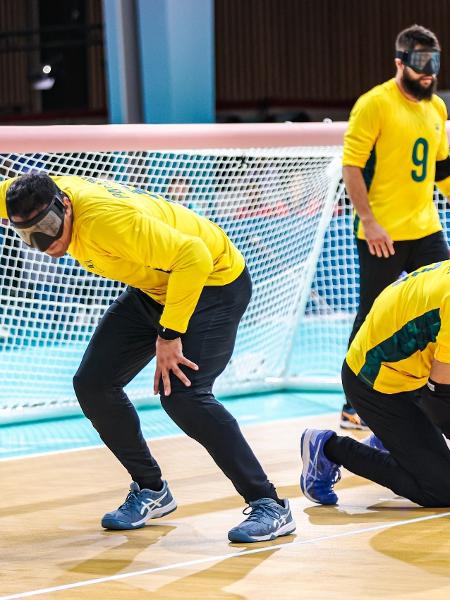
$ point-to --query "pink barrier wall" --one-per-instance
(75, 138)
(94, 138)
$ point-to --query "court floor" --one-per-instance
(371, 545)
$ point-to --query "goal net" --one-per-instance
(320, 341)
(283, 206)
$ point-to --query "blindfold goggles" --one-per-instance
(427, 62)
(43, 229)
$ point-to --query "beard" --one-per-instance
(416, 89)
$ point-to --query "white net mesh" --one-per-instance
(275, 205)
(322, 337)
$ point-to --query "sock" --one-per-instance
(272, 497)
(155, 485)
(278, 501)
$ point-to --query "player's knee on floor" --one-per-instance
(435, 500)
(435, 492)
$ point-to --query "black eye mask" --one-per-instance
(43, 229)
(426, 62)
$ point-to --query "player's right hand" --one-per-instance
(169, 355)
(378, 240)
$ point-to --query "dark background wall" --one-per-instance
(314, 53)
(274, 58)
(68, 36)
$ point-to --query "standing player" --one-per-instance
(189, 288)
(394, 149)
(402, 348)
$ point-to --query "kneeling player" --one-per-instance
(397, 374)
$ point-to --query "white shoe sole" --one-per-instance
(247, 539)
(285, 530)
(353, 426)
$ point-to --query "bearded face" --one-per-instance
(421, 86)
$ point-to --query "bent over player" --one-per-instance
(397, 376)
(188, 289)
(395, 148)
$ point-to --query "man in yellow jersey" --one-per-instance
(395, 147)
(397, 376)
(188, 289)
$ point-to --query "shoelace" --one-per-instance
(336, 477)
(128, 500)
(255, 512)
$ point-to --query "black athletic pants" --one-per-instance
(418, 463)
(124, 342)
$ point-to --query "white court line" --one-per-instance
(201, 561)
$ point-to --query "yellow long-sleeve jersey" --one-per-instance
(407, 326)
(139, 238)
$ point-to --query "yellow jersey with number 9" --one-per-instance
(408, 326)
(396, 142)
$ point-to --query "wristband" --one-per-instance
(436, 404)
(438, 389)
(168, 334)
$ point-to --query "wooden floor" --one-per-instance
(372, 545)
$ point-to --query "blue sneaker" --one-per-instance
(267, 520)
(319, 473)
(374, 442)
(139, 507)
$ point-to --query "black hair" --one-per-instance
(414, 36)
(29, 193)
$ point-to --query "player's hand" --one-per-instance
(378, 240)
(169, 354)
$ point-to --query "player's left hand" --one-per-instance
(169, 354)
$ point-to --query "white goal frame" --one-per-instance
(315, 313)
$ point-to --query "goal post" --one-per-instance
(276, 190)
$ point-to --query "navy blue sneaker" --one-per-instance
(266, 520)
(374, 442)
(319, 473)
(139, 507)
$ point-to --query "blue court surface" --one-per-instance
(77, 432)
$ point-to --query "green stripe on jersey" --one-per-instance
(413, 336)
